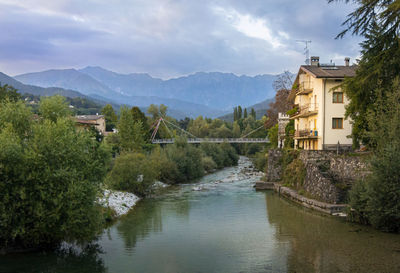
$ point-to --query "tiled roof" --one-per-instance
(339, 71)
(89, 117)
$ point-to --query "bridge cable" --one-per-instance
(253, 131)
(172, 136)
(181, 129)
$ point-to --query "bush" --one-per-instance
(294, 174)
(209, 164)
(260, 161)
(50, 175)
(133, 172)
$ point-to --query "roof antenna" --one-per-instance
(306, 50)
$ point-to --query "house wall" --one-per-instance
(336, 110)
(323, 90)
(102, 125)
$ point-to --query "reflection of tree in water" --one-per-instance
(71, 260)
(147, 216)
(322, 244)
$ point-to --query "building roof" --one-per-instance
(89, 117)
(334, 72)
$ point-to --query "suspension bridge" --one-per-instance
(196, 140)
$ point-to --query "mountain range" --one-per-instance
(209, 94)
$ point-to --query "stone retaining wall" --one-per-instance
(329, 175)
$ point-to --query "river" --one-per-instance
(221, 224)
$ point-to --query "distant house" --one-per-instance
(320, 122)
(97, 121)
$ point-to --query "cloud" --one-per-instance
(169, 38)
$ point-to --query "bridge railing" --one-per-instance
(213, 140)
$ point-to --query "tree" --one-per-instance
(376, 200)
(378, 22)
(253, 113)
(281, 104)
(239, 115)
(132, 172)
(126, 129)
(235, 114)
(157, 111)
(53, 107)
(50, 177)
(8, 92)
(245, 113)
(140, 117)
(110, 117)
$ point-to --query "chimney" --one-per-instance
(347, 61)
(315, 61)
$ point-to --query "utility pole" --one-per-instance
(306, 50)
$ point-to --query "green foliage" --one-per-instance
(260, 161)
(132, 172)
(294, 174)
(378, 22)
(50, 175)
(17, 115)
(8, 93)
(253, 113)
(53, 107)
(110, 117)
(376, 199)
(139, 116)
(130, 132)
(273, 136)
(208, 164)
(289, 134)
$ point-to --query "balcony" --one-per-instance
(305, 110)
(306, 134)
(305, 88)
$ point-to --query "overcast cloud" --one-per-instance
(168, 38)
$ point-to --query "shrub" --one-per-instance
(294, 174)
(208, 163)
(260, 161)
(132, 172)
(50, 175)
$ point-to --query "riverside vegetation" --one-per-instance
(52, 173)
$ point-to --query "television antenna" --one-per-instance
(306, 50)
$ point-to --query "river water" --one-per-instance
(221, 224)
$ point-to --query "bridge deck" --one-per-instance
(213, 140)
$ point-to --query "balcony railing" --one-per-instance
(306, 133)
(305, 87)
(306, 110)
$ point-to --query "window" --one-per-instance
(337, 123)
(337, 97)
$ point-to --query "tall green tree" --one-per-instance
(110, 117)
(235, 114)
(378, 22)
(239, 116)
(53, 107)
(253, 113)
(126, 129)
(8, 92)
(139, 116)
(245, 113)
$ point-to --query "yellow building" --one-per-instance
(320, 122)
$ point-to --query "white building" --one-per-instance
(320, 122)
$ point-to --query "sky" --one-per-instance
(171, 38)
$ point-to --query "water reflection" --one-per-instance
(67, 260)
(322, 244)
(147, 217)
